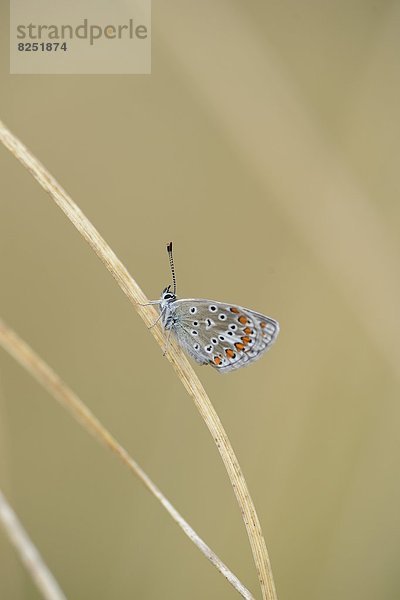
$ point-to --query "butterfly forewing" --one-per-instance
(225, 336)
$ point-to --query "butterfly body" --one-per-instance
(223, 335)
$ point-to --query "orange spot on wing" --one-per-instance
(234, 310)
(217, 360)
(245, 340)
(263, 324)
(242, 320)
(239, 346)
(247, 330)
(230, 353)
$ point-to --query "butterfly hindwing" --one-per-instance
(225, 336)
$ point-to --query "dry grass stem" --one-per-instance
(28, 553)
(175, 355)
(28, 359)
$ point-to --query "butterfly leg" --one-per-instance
(155, 322)
(153, 302)
(167, 342)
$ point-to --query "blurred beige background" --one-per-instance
(265, 144)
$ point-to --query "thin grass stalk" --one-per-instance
(30, 361)
(28, 553)
(175, 355)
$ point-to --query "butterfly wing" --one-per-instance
(226, 336)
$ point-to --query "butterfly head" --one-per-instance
(168, 295)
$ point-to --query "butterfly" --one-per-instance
(225, 336)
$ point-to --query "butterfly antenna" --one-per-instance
(171, 264)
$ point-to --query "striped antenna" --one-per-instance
(171, 264)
